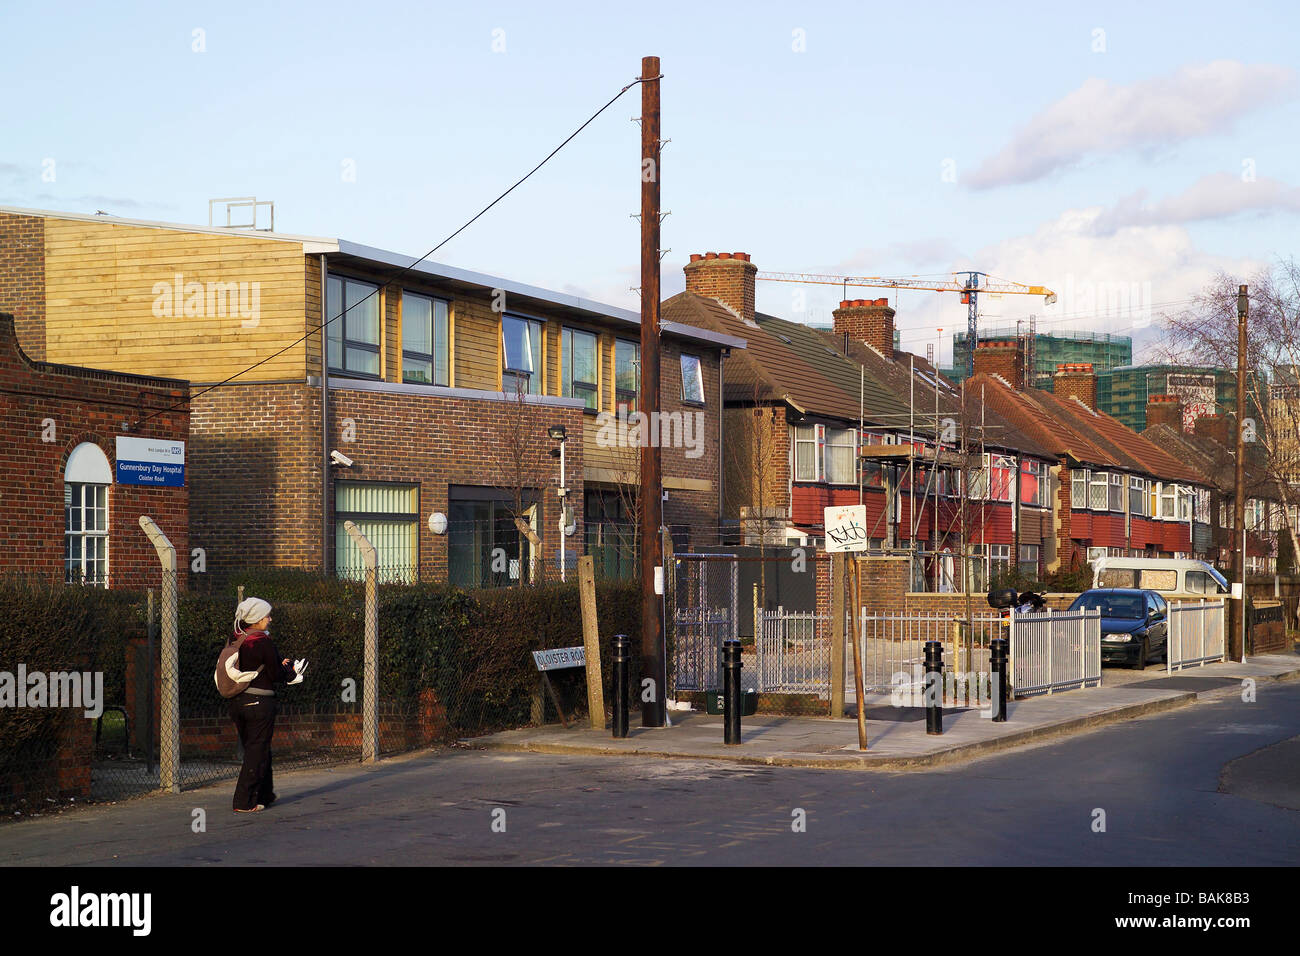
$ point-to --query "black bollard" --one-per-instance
(731, 702)
(622, 653)
(999, 650)
(933, 687)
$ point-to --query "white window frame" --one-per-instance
(90, 537)
(1098, 490)
(1138, 486)
(1168, 501)
(695, 374)
(1079, 489)
(510, 374)
(1036, 469)
(841, 438)
(806, 435)
(1115, 501)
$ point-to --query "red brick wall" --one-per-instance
(1002, 358)
(1165, 410)
(71, 405)
(22, 279)
(1076, 381)
(725, 276)
(867, 320)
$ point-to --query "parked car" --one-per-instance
(1134, 623)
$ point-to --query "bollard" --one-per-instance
(999, 650)
(933, 687)
(731, 691)
(622, 653)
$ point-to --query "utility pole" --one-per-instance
(1237, 621)
(653, 646)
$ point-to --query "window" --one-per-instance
(1079, 488)
(1095, 553)
(1001, 477)
(692, 380)
(522, 350)
(1137, 495)
(1198, 582)
(609, 532)
(389, 516)
(425, 343)
(1033, 487)
(354, 338)
(841, 452)
(627, 373)
(1185, 500)
(1098, 493)
(1116, 499)
(977, 486)
(1029, 559)
(999, 561)
(1168, 501)
(580, 363)
(806, 459)
(86, 478)
(1202, 512)
(976, 569)
(485, 548)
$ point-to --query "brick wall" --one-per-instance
(725, 276)
(1076, 381)
(754, 433)
(22, 279)
(1165, 410)
(46, 411)
(1005, 359)
(867, 320)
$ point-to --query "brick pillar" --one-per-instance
(1165, 410)
(1076, 381)
(867, 320)
(1003, 358)
(725, 276)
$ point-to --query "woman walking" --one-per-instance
(254, 710)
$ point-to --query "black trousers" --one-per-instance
(254, 719)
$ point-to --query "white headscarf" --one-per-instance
(250, 611)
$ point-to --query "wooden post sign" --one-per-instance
(558, 658)
(846, 528)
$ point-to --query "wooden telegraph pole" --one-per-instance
(1237, 620)
(653, 646)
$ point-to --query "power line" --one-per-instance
(400, 273)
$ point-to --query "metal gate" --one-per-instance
(1055, 651)
(793, 652)
(1195, 633)
(705, 598)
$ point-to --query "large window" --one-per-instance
(692, 380)
(1116, 500)
(522, 355)
(1033, 483)
(841, 453)
(1079, 488)
(581, 360)
(389, 516)
(485, 547)
(425, 342)
(354, 338)
(86, 479)
(1002, 473)
(627, 373)
(977, 484)
(807, 461)
(999, 561)
(610, 533)
(1137, 495)
(1168, 501)
(1098, 490)
(1029, 559)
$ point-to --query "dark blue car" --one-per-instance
(1134, 623)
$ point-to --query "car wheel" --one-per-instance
(1140, 662)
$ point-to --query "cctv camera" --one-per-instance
(338, 458)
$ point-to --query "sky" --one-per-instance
(1120, 154)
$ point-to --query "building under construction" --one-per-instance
(1044, 351)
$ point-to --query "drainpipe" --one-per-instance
(324, 420)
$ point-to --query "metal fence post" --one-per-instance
(169, 731)
(151, 640)
(370, 665)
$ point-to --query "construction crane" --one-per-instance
(966, 283)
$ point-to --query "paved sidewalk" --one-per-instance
(896, 737)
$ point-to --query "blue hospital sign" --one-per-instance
(151, 461)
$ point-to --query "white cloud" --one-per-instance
(1101, 117)
(1216, 196)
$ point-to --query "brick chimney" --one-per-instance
(1003, 358)
(867, 320)
(1213, 426)
(725, 276)
(1076, 381)
(1165, 410)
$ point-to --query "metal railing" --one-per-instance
(1195, 634)
(892, 644)
(1055, 651)
(793, 652)
(698, 633)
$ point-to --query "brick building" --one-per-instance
(71, 507)
(438, 392)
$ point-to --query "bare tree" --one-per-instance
(525, 465)
(1205, 333)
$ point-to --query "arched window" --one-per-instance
(85, 506)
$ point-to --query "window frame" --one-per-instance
(698, 376)
(621, 395)
(533, 377)
(1115, 499)
(339, 323)
(392, 573)
(1037, 470)
(441, 347)
(806, 434)
(569, 386)
(830, 444)
(1138, 486)
(83, 535)
(1098, 480)
(1079, 489)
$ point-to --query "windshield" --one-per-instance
(1131, 606)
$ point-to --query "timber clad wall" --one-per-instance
(72, 406)
(22, 279)
(112, 300)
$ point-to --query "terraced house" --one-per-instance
(817, 419)
(429, 413)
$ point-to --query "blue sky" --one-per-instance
(1126, 165)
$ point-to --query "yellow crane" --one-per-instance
(969, 284)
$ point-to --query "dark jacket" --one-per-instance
(258, 651)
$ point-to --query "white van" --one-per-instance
(1180, 577)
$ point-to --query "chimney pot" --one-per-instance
(696, 257)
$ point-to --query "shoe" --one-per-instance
(260, 806)
(270, 800)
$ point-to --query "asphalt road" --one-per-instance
(1215, 783)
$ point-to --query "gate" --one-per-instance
(1195, 634)
(705, 599)
(793, 652)
(894, 644)
(1055, 651)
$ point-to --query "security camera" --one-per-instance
(338, 458)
